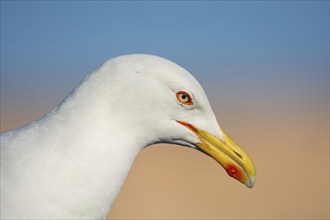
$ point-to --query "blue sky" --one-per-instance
(47, 47)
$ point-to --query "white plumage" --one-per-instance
(71, 163)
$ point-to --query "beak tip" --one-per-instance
(251, 182)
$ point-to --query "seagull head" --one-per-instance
(168, 105)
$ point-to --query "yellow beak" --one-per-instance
(227, 153)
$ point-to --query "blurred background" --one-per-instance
(263, 64)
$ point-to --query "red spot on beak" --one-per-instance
(234, 171)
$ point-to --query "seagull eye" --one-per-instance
(184, 98)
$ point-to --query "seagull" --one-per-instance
(72, 162)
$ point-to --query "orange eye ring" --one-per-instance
(184, 98)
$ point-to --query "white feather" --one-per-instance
(71, 163)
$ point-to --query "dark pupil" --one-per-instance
(184, 96)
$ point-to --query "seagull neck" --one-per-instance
(93, 155)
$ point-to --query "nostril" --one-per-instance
(240, 156)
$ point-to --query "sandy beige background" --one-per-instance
(287, 137)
